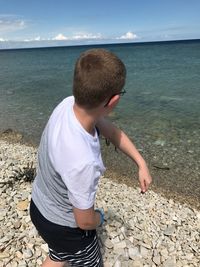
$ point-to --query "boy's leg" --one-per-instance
(50, 263)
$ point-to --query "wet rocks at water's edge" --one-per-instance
(139, 230)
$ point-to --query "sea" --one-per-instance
(160, 110)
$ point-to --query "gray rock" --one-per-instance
(27, 254)
(156, 260)
(160, 142)
(19, 255)
(17, 224)
(189, 256)
(108, 243)
(45, 248)
(144, 251)
(4, 255)
(137, 263)
(121, 244)
(171, 262)
(22, 264)
(5, 239)
(118, 263)
(133, 252)
(170, 230)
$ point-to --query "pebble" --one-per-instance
(156, 260)
(170, 263)
(108, 243)
(19, 255)
(169, 230)
(27, 254)
(17, 224)
(137, 263)
(133, 252)
(44, 247)
(120, 245)
(4, 256)
(139, 231)
(23, 205)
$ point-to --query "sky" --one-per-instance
(60, 22)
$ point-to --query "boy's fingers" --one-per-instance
(143, 186)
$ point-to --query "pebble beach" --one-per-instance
(140, 230)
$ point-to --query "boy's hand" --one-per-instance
(145, 178)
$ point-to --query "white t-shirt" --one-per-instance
(69, 166)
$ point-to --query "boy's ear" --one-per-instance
(113, 101)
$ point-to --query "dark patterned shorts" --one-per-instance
(74, 245)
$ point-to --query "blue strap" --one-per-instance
(101, 212)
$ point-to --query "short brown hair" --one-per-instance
(98, 75)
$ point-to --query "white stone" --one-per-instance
(115, 240)
(156, 260)
(19, 255)
(189, 256)
(108, 243)
(27, 254)
(113, 234)
(133, 252)
(39, 262)
(171, 262)
(45, 248)
(169, 230)
(118, 263)
(137, 263)
(143, 251)
(4, 255)
(107, 264)
(33, 232)
(164, 252)
(27, 219)
(121, 244)
(22, 264)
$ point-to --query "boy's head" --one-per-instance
(98, 75)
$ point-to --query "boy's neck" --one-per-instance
(87, 118)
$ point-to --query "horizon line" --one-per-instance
(97, 44)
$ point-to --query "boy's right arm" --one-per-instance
(87, 219)
(123, 142)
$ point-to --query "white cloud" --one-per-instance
(2, 40)
(10, 23)
(128, 36)
(84, 36)
(38, 38)
(60, 37)
(78, 36)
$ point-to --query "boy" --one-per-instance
(70, 164)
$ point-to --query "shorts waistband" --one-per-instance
(78, 231)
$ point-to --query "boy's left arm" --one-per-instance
(121, 141)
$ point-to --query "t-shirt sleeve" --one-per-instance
(82, 185)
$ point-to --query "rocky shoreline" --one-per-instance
(140, 230)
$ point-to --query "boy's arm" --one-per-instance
(88, 219)
(121, 141)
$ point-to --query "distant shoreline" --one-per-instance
(15, 45)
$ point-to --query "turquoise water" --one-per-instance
(160, 110)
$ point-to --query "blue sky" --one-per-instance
(50, 22)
